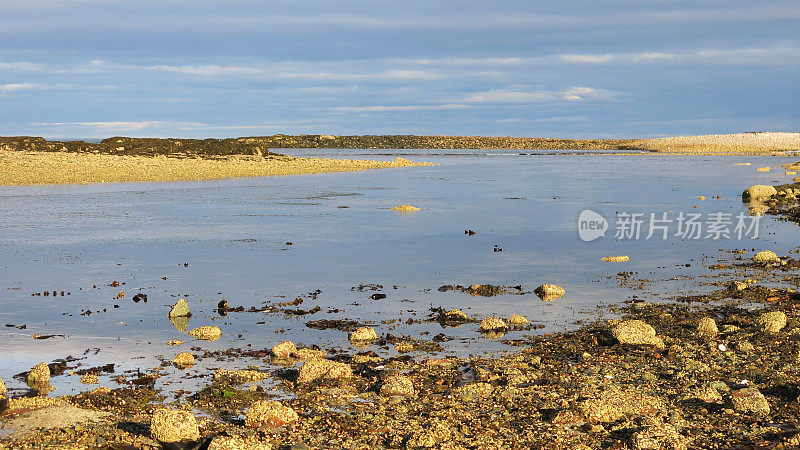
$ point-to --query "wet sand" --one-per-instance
(34, 167)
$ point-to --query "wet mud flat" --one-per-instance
(713, 370)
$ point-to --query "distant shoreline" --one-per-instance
(762, 143)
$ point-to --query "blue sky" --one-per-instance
(597, 68)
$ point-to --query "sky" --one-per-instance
(579, 69)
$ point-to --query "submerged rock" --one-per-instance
(493, 324)
(758, 192)
(269, 413)
(405, 208)
(323, 369)
(766, 256)
(398, 385)
(206, 333)
(636, 332)
(171, 426)
(284, 350)
(749, 400)
(180, 309)
(772, 322)
(549, 292)
(363, 334)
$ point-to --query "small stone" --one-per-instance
(269, 413)
(398, 385)
(517, 320)
(405, 208)
(766, 256)
(493, 324)
(237, 443)
(772, 322)
(549, 292)
(171, 426)
(89, 378)
(749, 400)
(758, 192)
(404, 347)
(40, 374)
(206, 333)
(636, 332)
(363, 334)
(707, 326)
(284, 350)
(183, 359)
(323, 369)
(621, 258)
(180, 309)
(737, 286)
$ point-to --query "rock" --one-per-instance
(749, 400)
(183, 359)
(766, 256)
(237, 443)
(404, 347)
(614, 405)
(493, 324)
(171, 426)
(636, 332)
(89, 378)
(180, 309)
(180, 323)
(304, 354)
(206, 333)
(549, 292)
(405, 208)
(707, 326)
(621, 258)
(368, 357)
(708, 394)
(284, 350)
(239, 376)
(745, 347)
(472, 391)
(517, 320)
(3, 391)
(363, 334)
(269, 413)
(737, 286)
(40, 374)
(398, 385)
(772, 322)
(174, 342)
(455, 314)
(762, 169)
(323, 369)
(758, 192)
(660, 436)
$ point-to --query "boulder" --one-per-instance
(363, 334)
(636, 332)
(284, 350)
(398, 385)
(749, 400)
(170, 426)
(493, 324)
(772, 322)
(766, 256)
(517, 320)
(758, 192)
(707, 326)
(39, 374)
(237, 443)
(183, 359)
(3, 391)
(611, 406)
(180, 309)
(549, 292)
(206, 333)
(323, 369)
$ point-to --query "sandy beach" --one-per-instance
(35, 167)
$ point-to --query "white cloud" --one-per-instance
(380, 108)
(14, 87)
(573, 94)
(120, 126)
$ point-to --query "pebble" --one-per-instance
(772, 322)
(397, 385)
(183, 359)
(363, 334)
(270, 413)
(206, 333)
(766, 256)
(636, 332)
(171, 426)
(284, 350)
(323, 369)
(493, 324)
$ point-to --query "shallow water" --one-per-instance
(233, 235)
